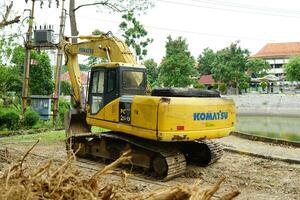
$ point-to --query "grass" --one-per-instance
(45, 137)
(96, 129)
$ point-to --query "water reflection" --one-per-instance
(287, 128)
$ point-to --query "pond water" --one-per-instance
(286, 128)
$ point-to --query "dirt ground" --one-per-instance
(256, 178)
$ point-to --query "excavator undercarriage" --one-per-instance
(161, 160)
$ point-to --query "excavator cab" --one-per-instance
(107, 82)
(110, 81)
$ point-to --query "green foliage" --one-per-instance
(139, 7)
(43, 124)
(82, 67)
(30, 118)
(257, 67)
(177, 67)
(65, 88)
(244, 85)
(92, 60)
(199, 85)
(263, 85)
(206, 61)
(40, 81)
(223, 88)
(9, 81)
(135, 34)
(230, 64)
(64, 106)
(9, 119)
(7, 45)
(292, 69)
(152, 72)
(216, 86)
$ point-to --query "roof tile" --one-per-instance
(278, 50)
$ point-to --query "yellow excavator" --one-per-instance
(164, 131)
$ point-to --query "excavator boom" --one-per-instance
(103, 46)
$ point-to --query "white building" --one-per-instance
(277, 54)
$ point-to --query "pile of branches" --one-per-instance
(52, 181)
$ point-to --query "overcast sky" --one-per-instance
(204, 23)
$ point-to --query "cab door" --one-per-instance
(111, 85)
(96, 94)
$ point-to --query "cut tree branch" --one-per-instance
(5, 20)
(104, 3)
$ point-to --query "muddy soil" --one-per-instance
(256, 178)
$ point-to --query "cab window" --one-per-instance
(133, 80)
(97, 91)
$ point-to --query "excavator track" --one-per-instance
(162, 161)
(216, 150)
(202, 152)
(166, 158)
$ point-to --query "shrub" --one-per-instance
(1, 118)
(263, 85)
(199, 86)
(9, 119)
(244, 85)
(31, 118)
(223, 88)
(215, 86)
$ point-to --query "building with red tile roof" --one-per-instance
(278, 50)
(84, 77)
(277, 54)
(206, 80)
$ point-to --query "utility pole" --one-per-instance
(58, 64)
(28, 47)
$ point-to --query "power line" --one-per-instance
(247, 6)
(227, 9)
(184, 31)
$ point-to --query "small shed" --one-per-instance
(41, 105)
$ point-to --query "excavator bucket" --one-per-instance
(75, 123)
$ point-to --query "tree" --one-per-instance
(65, 88)
(134, 34)
(206, 61)
(152, 72)
(40, 81)
(257, 67)
(177, 67)
(292, 69)
(92, 60)
(10, 81)
(230, 66)
(7, 45)
(111, 5)
(6, 20)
